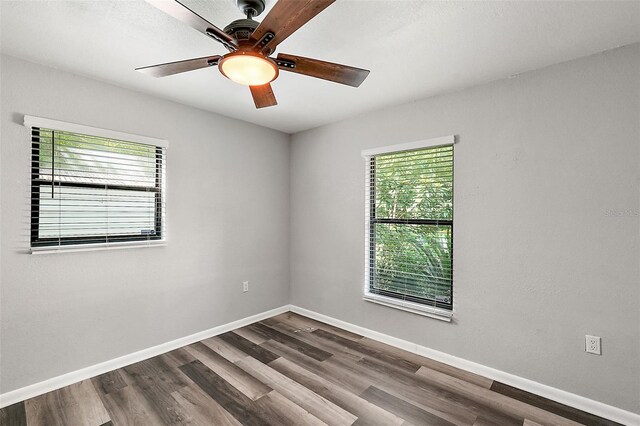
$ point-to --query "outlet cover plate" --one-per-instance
(592, 345)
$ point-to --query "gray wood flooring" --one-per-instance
(291, 370)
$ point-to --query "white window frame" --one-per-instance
(416, 308)
(47, 123)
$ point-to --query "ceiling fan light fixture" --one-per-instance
(248, 68)
(251, 43)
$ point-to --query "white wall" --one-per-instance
(539, 261)
(228, 203)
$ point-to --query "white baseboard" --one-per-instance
(563, 397)
(95, 370)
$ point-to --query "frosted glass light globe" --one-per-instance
(248, 68)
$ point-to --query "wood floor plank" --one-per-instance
(278, 410)
(156, 371)
(304, 322)
(204, 410)
(402, 384)
(251, 335)
(76, 404)
(13, 415)
(429, 363)
(402, 408)
(250, 386)
(228, 351)
(128, 407)
(273, 320)
(493, 417)
(156, 381)
(550, 405)
(366, 412)
(294, 343)
(109, 382)
(251, 349)
(332, 369)
(230, 398)
(315, 404)
(307, 336)
(178, 357)
(492, 399)
(394, 360)
(483, 421)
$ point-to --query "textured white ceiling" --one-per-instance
(414, 49)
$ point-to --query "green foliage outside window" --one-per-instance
(413, 224)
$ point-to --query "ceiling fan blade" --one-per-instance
(286, 17)
(263, 96)
(189, 17)
(163, 70)
(343, 74)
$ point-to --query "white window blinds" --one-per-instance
(96, 190)
(409, 212)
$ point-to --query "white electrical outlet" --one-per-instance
(592, 345)
(245, 286)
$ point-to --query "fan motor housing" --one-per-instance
(241, 29)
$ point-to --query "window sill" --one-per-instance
(415, 308)
(95, 247)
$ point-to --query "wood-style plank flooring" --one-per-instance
(291, 370)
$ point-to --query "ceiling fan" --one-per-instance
(250, 44)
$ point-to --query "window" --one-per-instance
(410, 227)
(88, 189)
